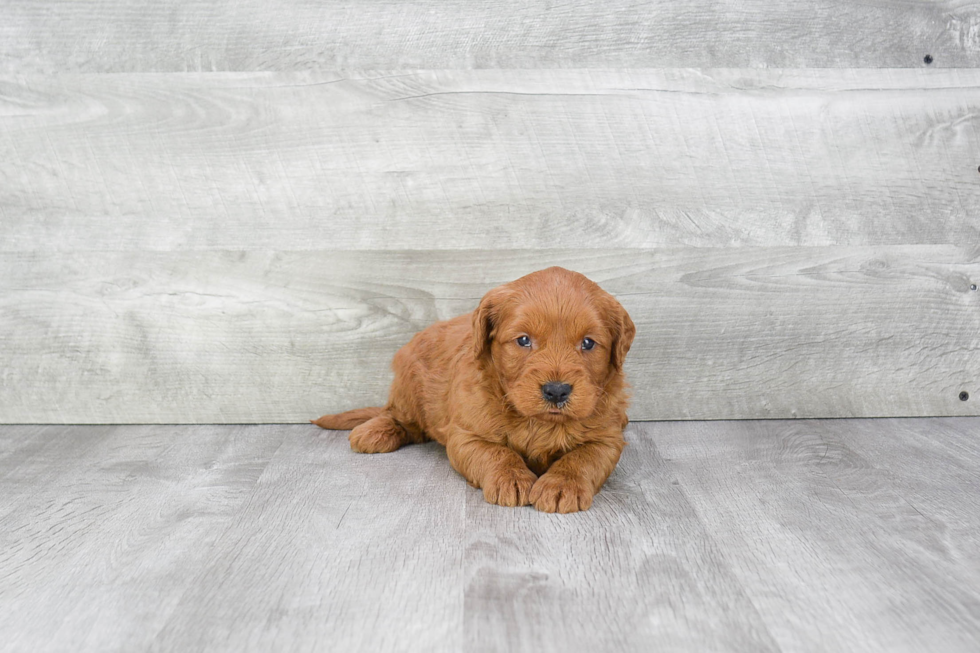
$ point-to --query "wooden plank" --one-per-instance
(829, 548)
(334, 551)
(934, 465)
(139, 36)
(489, 160)
(285, 336)
(636, 572)
(833, 535)
(105, 528)
(18, 443)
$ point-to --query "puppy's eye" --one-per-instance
(588, 344)
(524, 341)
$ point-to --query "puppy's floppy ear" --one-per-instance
(485, 320)
(623, 332)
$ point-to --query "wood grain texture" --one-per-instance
(349, 552)
(803, 535)
(104, 528)
(516, 159)
(195, 35)
(653, 579)
(194, 337)
(797, 500)
(935, 469)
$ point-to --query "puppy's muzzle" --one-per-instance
(556, 393)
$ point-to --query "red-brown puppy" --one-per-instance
(527, 393)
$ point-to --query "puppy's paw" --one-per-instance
(509, 487)
(553, 493)
(378, 435)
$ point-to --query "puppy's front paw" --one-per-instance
(509, 487)
(553, 493)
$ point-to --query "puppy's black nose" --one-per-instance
(555, 393)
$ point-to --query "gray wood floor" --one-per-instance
(809, 535)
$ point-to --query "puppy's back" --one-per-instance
(425, 370)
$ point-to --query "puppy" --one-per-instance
(527, 393)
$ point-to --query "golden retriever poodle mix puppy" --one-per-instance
(527, 393)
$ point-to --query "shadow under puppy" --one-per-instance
(527, 393)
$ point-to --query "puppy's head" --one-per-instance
(553, 339)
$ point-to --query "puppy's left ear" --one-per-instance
(485, 320)
(623, 332)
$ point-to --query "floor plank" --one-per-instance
(19, 443)
(804, 535)
(333, 551)
(938, 474)
(637, 572)
(103, 528)
(849, 563)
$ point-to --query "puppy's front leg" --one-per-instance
(572, 481)
(499, 470)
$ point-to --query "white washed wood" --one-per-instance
(637, 572)
(938, 473)
(285, 336)
(105, 528)
(19, 443)
(835, 535)
(519, 159)
(334, 551)
(195, 35)
(829, 548)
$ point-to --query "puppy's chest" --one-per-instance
(541, 446)
(540, 465)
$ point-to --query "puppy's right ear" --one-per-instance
(485, 320)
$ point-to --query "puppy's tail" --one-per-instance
(348, 420)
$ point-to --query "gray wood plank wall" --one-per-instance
(203, 35)
(238, 215)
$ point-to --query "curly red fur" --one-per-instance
(469, 384)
